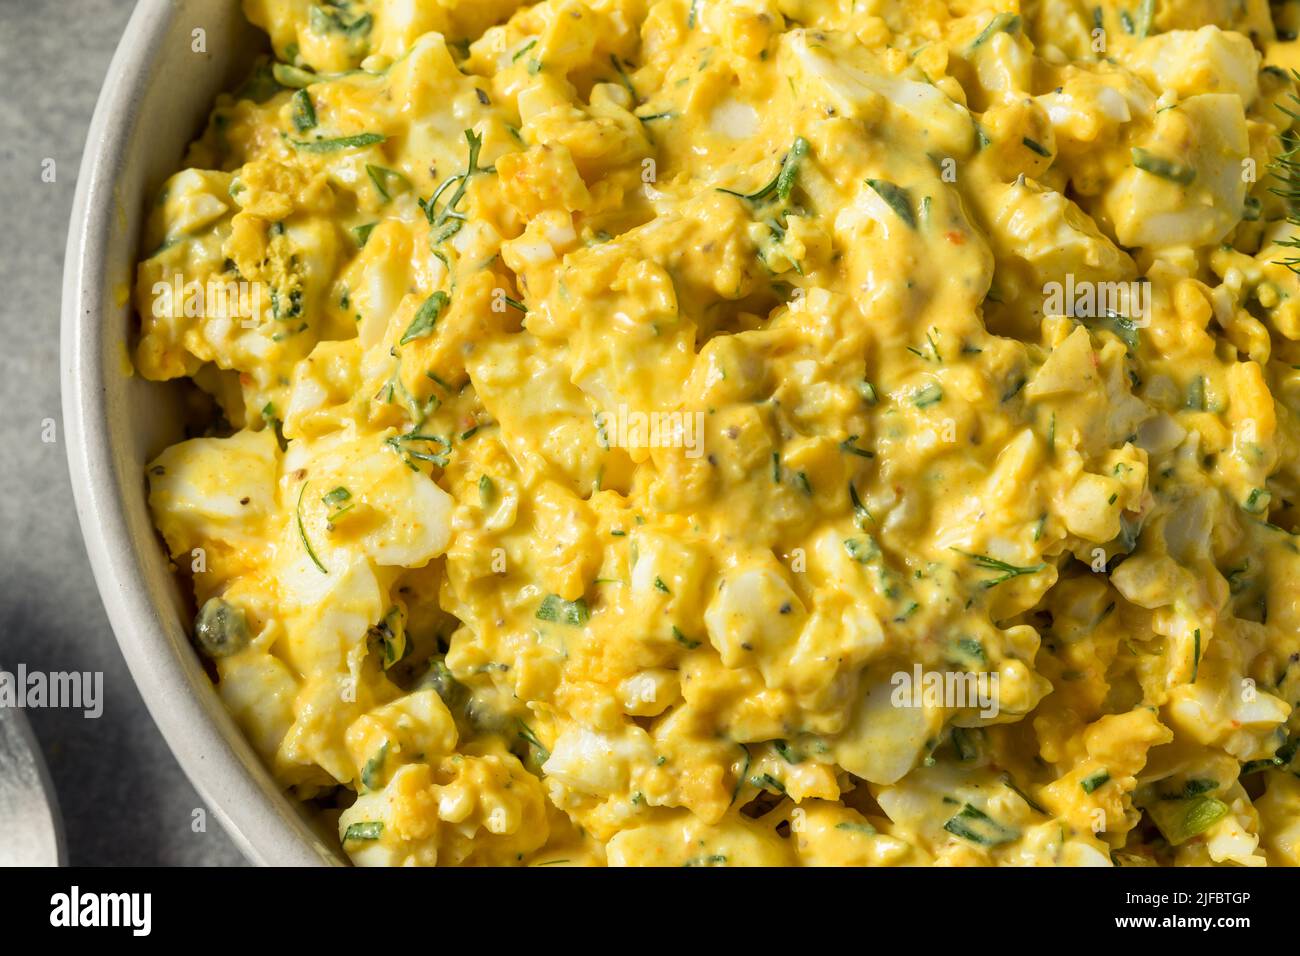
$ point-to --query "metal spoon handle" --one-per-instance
(31, 829)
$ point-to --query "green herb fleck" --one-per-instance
(303, 113)
(978, 827)
(930, 395)
(1001, 23)
(1009, 571)
(1036, 147)
(388, 182)
(1180, 820)
(425, 318)
(848, 446)
(302, 533)
(373, 768)
(897, 198)
(1169, 169)
(362, 233)
(685, 641)
(555, 608)
(1145, 18)
(783, 182)
(1093, 781)
(358, 141)
(369, 830)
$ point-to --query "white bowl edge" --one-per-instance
(110, 419)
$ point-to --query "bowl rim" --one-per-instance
(262, 821)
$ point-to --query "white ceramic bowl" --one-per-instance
(155, 100)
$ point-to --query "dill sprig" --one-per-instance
(449, 218)
(1009, 571)
(1285, 168)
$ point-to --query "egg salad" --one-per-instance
(748, 432)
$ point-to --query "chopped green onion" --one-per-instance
(369, 830)
(979, 828)
(1194, 788)
(1257, 501)
(765, 781)
(1036, 147)
(930, 395)
(1145, 18)
(1093, 781)
(337, 496)
(1169, 169)
(329, 19)
(789, 755)
(1120, 326)
(555, 608)
(1180, 820)
(373, 768)
(966, 741)
(293, 77)
(303, 113)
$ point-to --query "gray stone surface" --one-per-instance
(124, 798)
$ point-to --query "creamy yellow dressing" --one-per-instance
(858, 263)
